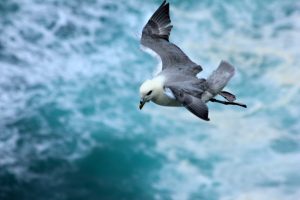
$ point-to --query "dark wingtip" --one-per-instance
(163, 4)
(206, 118)
(160, 22)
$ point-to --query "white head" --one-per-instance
(150, 89)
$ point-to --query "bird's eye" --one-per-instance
(149, 92)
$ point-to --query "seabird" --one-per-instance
(177, 83)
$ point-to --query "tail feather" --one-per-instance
(220, 77)
(228, 96)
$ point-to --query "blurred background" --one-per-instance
(70, 127)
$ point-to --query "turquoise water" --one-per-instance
(70, 127)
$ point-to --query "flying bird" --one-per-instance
(177, 83)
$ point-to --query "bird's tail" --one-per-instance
(220, 77)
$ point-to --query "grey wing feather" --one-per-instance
(193, 104)
(155, 36)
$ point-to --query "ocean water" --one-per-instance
(70, 127)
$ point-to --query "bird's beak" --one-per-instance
(142, 103)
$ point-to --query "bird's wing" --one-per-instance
(155, 36)
(193, 104)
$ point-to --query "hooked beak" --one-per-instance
(142, 103)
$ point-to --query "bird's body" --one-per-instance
(177, 83)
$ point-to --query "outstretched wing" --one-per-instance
(155, 36)
(193, 104)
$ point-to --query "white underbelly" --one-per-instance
(164, 100)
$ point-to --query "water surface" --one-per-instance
(69, 123)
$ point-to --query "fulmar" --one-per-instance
(177, 84)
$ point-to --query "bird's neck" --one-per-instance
(158, 87)
(158, 83)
